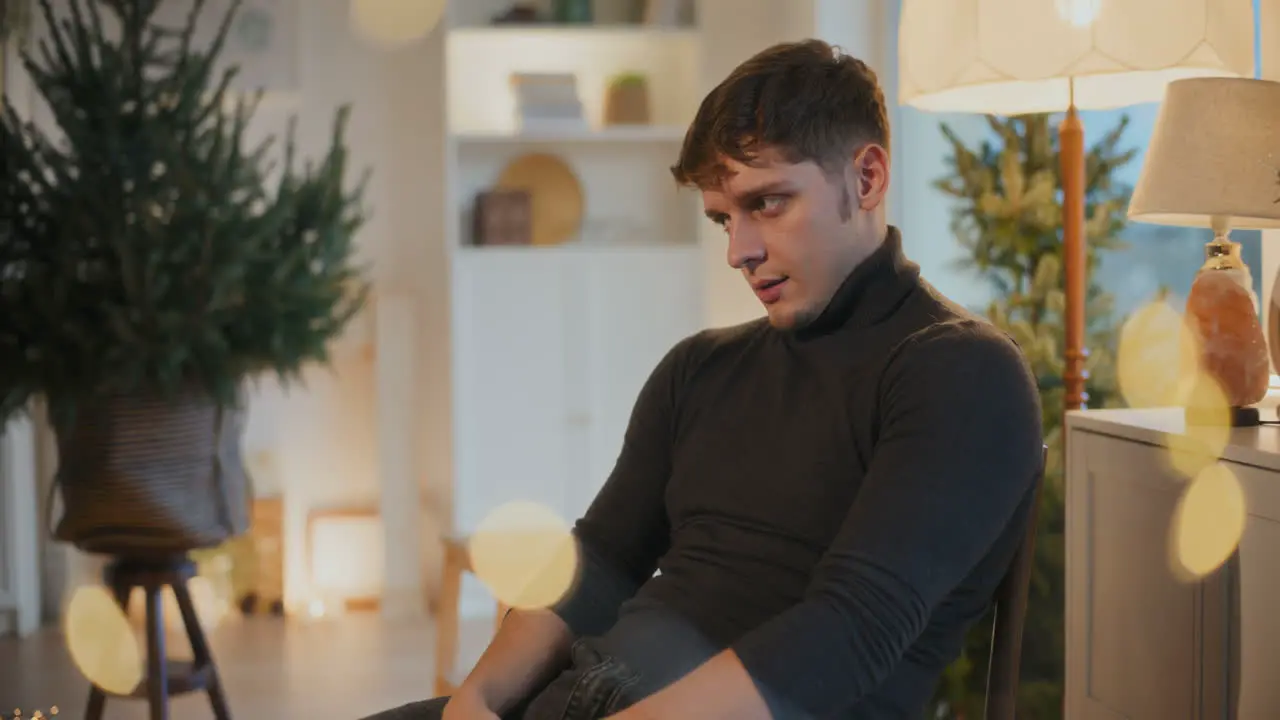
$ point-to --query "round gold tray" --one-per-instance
(555, 195)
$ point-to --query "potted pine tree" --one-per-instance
(149, 268)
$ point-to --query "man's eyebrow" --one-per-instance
(767, 188)
(743, 197)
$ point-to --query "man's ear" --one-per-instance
(870, 171)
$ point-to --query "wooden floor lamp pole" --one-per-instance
(1071, 157)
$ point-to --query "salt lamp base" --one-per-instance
(1239, 417)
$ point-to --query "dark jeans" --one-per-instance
(595, 685)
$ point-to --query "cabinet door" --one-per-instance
(1133, 638)
(1256, 661)
(510, 333)
(640, 303)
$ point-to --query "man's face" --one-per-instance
(795, 231)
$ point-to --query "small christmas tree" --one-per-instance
(143, 249)
(1009, 219)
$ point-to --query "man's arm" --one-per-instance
(530, 648)
(625, 531)
(959, 452)
(620, 537)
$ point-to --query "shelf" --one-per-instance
(584, 248)
(560, 30)
(617, 134)
(480, 62)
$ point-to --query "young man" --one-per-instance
(830, 494)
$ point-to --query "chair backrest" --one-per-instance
(1011, 614)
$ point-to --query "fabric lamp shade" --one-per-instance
(1011, 57)
(1214, 157)
(1269, 36)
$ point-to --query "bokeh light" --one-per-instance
(525, 555)
(101, 641)
(1208, 523)
(1208, 426)
(392, 23)
(1157, 350)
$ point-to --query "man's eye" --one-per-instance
(771, 204)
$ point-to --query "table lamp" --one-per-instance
(1214, 162)
(1012, 57)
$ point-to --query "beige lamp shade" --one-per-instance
(1010, 57)
(1214, 153)
(1269, 36)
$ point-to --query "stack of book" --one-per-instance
(547, 102)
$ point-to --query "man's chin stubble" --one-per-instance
(794, 322)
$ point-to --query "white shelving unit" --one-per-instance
(550, 345)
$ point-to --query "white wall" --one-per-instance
(325, 436)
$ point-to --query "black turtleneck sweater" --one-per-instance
(835, 504)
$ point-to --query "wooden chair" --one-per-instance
(1011, 614)
(457, 562)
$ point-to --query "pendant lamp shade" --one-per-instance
(1010, 57)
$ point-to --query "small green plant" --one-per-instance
(628, 79)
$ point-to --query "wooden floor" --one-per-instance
(273, 669)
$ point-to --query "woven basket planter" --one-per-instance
(151, 476)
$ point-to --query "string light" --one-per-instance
(35, 715)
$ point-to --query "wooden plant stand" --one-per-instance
(164, 677)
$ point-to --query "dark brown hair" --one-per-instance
(806, 100)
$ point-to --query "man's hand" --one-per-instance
(720, 689)
(467, 705)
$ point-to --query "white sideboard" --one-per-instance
(1142, 644)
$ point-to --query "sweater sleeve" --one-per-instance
(959, 450)
(625, 531)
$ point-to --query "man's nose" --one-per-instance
(746, 246)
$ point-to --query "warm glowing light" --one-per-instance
(391, 23)
(1208, 522)
(315, 609)
(347, 555)
(101, 641)
(1156, 351)
(1080, 13)
(1208, 426)
(525, 554)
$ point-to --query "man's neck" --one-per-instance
(874, 277)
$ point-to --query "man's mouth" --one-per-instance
(769, 291)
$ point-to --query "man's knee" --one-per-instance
(422, 710)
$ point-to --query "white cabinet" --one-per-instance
(640, 303)
(551, 346)
(1142, 642)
